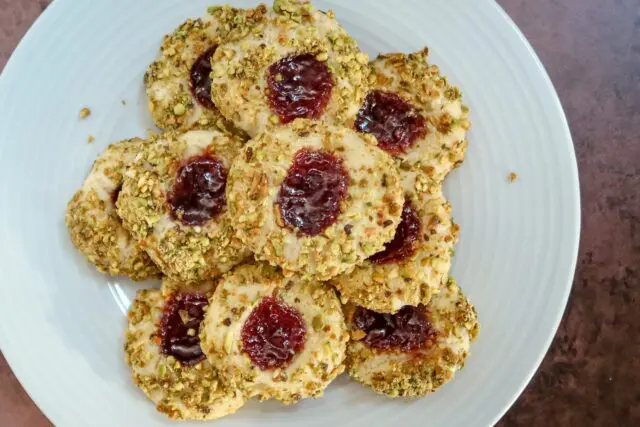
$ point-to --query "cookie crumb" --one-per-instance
(512, 177)
(357, 335)
(84, 113)
(90, 139)
(179, 109)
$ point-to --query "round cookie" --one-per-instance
(94, 226)
(173, 201)
(275, 337)
(302, 64)
(314, 199)
(415, 351)
(162, 348)
(178, 84)
(415, 114)
(415, 264)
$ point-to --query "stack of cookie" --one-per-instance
(293, 206)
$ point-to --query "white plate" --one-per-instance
(61, 323)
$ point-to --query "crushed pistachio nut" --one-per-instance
(84, 113)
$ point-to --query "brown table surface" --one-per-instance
(591, 375)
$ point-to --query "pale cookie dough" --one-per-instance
(186, 252)
(94, 226)
(386, 287)
(240, 69)
(422, 85)
(169, 84)
(171, 285)
(311, 370)
(368, 216)
(396, 373)
(181, 392)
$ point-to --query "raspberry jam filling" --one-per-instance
(273, 334)
(199, 191)
(403, 244)
(311, 193)
(395, 123)
(179, 327)
(201, 78)
(116, 193)
(299, 87)
(409, 329)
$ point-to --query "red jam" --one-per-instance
(116, 193)
(403, 244)
(201, 78)
(199, 191)
(395, 123)
(182, 314)
(407, 330)
(311, 193)
(299, 87)
(273, 334)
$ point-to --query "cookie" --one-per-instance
(415, 264)
(178, 84)
(415, 351)
(275, 337)
(94, 226)
(163, 350)
(314, 199)
(173, 202)
(301, 64)
(415, 114)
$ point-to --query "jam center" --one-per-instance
(201, 78)
(311, 193)
(299, 87)
(115, 194)
(395, 123)
(407, 330)
(273, 334)
(180, 325)
(403, 244)
(199, 191)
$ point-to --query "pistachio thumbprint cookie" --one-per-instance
(414, 351)
(94, 226)
(173, 201)
(275, 337)
(179, 84)
(411, 267)
(302, 64)
(314, 199)
(168, 365)
(415, 114)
